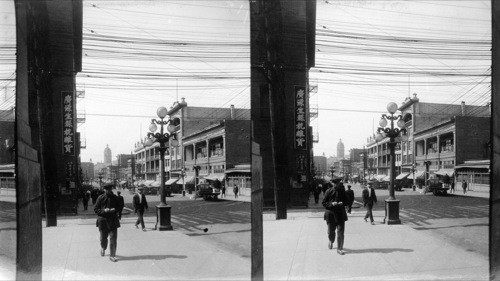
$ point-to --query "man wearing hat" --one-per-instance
(369, 198)
(140, 204)
(106, 208)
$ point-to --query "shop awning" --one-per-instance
(123, 182)
(215, 176)
(171, 181)
(386, 178)
(187, 180)
(148, 182)
(418, 174)
(472, 166)
(380, 177)
(443, 172)
(155, 184)
(402, 176)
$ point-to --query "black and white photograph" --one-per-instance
(249, 140)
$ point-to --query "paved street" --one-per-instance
(457, 219)
(227, 222)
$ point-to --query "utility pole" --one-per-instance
(273, 68)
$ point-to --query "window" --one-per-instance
(216, 149)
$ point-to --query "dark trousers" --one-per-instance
(316, 197)
(113, 235)
(85, 204)
(140, 218)
(369, 213)
(349, 208)
(340, 233)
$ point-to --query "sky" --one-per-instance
(370, 53)
(139, 55)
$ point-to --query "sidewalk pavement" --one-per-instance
(71, 252)
(297, 249)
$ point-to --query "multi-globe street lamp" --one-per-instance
(395, 136)
(163, 209)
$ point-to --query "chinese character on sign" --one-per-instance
(301, 163)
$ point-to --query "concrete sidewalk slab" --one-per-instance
(71, 252)
(296, 249)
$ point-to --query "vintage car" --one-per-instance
(436, 187)
(206, 191)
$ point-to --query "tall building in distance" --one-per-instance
(107, 155)
(340, 150)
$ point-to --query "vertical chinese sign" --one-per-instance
(68, 114)
(300, 118)
(300, 132)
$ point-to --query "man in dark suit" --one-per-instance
(106, 208)
(369, 198)
(335, 215)
(122, 204)
(350, 198)
(140, 204)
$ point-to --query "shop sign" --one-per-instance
(300, 118)
(68, 113)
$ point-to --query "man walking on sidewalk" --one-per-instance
(122, 204)
(235, 191)
(350, 198)
(369, 198)
(140, 204)
(106, 209)
(464, 186)
(335, 215)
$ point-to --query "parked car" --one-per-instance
(436, 187)
(206, 191)
(150, 190)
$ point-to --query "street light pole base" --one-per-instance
(163, 213)
(392, 211)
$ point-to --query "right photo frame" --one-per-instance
(374, 140)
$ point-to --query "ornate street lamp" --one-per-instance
(163, 210)
(395, 136)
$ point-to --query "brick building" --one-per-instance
(213, 139)
(440, 137)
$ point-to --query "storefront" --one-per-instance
(475, 173)
(240, 175)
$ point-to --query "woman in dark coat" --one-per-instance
(335, 215)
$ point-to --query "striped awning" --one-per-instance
(418, 174)
(171, 181)
(443, 172)
(402, 176)
(215, 176)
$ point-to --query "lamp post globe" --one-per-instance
(392, 107)
(401, 123)
(162, 112)
(382, 122)
(152, 127)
